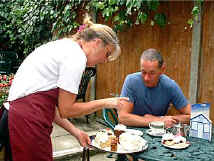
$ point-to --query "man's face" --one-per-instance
(151, 72)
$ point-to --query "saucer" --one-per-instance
(178, 146)
(134, 132)
(155, 133)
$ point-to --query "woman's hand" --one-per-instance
(114, 102)
(82, 137)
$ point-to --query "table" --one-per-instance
(198, 150)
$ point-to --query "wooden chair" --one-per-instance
(88, 73)
(110, 117)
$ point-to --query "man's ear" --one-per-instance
(163, 68)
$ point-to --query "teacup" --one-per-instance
(157, 126)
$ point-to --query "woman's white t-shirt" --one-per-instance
(58, 63)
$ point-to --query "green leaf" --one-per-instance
(152, 23)
(108, 12)
(121, 2)
(160, 19)
(138, 4)
(116, 18)
(112, 2)
(100, 5)
(129, 5)
(142, 17)
(195, 10)
(153, 4)
(67, 8)
(190, 22)
(137, 22)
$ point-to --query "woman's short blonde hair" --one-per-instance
(89, 31)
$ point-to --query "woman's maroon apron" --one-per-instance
(30, 126)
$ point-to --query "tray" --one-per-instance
(119, 151)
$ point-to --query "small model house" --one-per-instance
(201, 127)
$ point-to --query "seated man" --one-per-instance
(151, 92)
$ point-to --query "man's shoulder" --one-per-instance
(167, 82)
(133, 78)
(136, 75)
(166, 79)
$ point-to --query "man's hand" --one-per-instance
(169, 121)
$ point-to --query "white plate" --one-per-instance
(152, 133)
(120, 150)
(134, 132)
(177, 146)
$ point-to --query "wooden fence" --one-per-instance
(206, 79)
(175, 42)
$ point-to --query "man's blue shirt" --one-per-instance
(154, 100)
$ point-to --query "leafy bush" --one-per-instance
(26, 24)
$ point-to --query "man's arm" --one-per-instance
(182, 117)
(127, 118)
(81, 136)
(185, 114)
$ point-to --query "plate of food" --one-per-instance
(155, 133)
(124, 144)
(174, 142)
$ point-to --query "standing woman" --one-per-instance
(45, 87)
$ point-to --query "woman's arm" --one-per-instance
(81, 136)
(68, 107)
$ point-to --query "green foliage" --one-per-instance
(20, 30)
(195, 13)
(129, 12)
(26, 24)
(160, 19)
